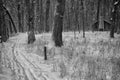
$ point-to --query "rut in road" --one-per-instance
(24, 66)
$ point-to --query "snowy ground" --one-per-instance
(96, 57)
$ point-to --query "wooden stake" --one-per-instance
(45, 52)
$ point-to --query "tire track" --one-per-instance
(23, 65)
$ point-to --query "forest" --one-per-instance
(59, 39)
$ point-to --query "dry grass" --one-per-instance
(96, 57)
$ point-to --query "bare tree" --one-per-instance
(41, 27)
(19, 17)
(20, 8)
(113, 19)
(47, 15)
(58, 23)
(3, 28)
(30, 8)
(11, 20)
(83, 17)
(98, 10)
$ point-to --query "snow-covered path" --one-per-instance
(92, 58)
(26, 66)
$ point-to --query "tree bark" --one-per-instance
(10, 19)
(20, 9)
(98, 11)
(3, 29)
(83, 18)
(41, 27)
(77, 15)
(68, 18)
(19, 17)
(58, 23)
(47, 15)
(114, 11)
(31, 34)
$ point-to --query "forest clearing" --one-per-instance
(91, 58)
(59, 39)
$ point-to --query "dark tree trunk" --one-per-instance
(83, 18)
(11, 31)
(41, 26)
(72, 15)
(4, 35)
(47, 15)
(58, 23)
(68, 18)
(7, 12)
(77, 15)
(114, 11)
(100, 15)
(2, 30)
(22, 15)
(31, 35)
(19, 17)
(112, 30)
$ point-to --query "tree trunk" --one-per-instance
(77, 15)
(7, 12)
(31, 35)
(98, 11)
(101, 15)
(41, 27)
(3, 29)
(22, 15)
(114, 11)
(83, 17)
(47, 15)
(19, 17)
(58, 23)
(68, 18)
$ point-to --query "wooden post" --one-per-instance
(0, 39)
(45, 52)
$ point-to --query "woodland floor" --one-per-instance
(96, 57)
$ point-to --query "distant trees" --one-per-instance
(79, 14)
(72, 20)
(58, 23)
(11, 22)
(7, 25)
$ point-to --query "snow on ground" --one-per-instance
(95, 57)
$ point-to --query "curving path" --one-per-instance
(23, 65)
